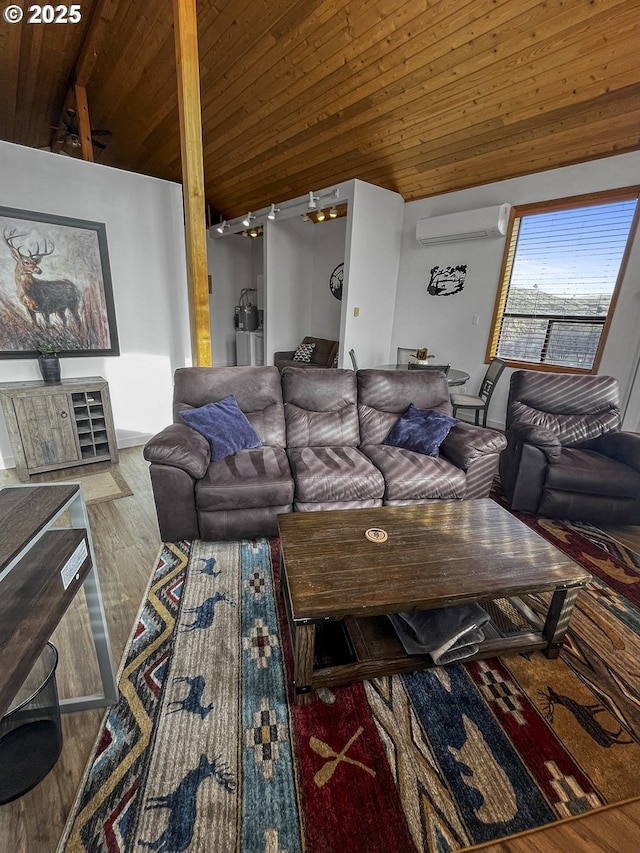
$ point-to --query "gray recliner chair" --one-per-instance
(232, 498)
(566, 456)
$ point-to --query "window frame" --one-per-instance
(569, 203)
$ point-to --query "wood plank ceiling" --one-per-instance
(420, 96)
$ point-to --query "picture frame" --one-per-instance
(55, 286)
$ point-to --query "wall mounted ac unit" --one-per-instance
(468, 225)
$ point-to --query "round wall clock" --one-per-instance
(335, 281)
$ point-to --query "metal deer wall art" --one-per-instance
(445, 281)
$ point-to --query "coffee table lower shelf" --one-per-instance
(355, 649)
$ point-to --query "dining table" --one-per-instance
(454, 376)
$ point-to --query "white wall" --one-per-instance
(328, 252)
(231, 269)
(444, 323)
(145, 235)
(288, 281)
(374, 232)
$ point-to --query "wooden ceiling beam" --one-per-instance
(188, 73)
(84, 124)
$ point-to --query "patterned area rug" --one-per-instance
(205, 752)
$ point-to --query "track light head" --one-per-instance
(320, 216)
(220, 228)
(272, 212)
(247, 220)
(312, 200)
(333, 213)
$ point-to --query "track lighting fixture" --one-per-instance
(312, 200)
(272, 212)
(247, 220)
(333, 213)
(320, 216)
(306, 217)
(253, 232)
(220, 228)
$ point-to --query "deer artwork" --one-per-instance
(39, 296)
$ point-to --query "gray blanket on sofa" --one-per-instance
(447, 634)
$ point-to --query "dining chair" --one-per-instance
(354, 361)
(405, 354)
(440, 368)
(480, 403)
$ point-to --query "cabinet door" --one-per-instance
(46, 429)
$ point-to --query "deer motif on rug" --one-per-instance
(182, 806)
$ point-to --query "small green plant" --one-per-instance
(48, 349)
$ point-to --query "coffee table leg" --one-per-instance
(557, 622)
(304, 637)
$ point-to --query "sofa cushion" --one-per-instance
(334, 474)
(385, 395)
(225, 426)
(571, 429)
(592, 473)
(320, 407)
(251, 478)
(321, 429)
(323, 352)
(256, 389)
(304, 352)
(411, 476)
(422, 430)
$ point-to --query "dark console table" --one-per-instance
(42, 567)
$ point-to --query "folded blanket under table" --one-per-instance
(447, 634)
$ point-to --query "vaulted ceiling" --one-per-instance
(419, 96)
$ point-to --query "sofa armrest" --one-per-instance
(466, 443)
(284, 356)
(545, 440)
(624, 447)
(180, 446)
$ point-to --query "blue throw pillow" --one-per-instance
(420, 430)
(225, 425)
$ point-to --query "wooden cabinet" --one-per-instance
(56, 426)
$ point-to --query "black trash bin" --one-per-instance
(30, 733)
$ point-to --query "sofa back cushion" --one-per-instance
(385, 395)
(320, 407)
(323, 351)
(575, 407)
(257, 391)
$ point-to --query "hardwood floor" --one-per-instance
(127, 542)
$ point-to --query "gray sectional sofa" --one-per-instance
(321, 434)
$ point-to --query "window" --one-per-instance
(561, 271)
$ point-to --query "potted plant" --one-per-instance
(49, 363)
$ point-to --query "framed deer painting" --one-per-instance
(55, 286)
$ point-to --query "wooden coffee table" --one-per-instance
(339, 585)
